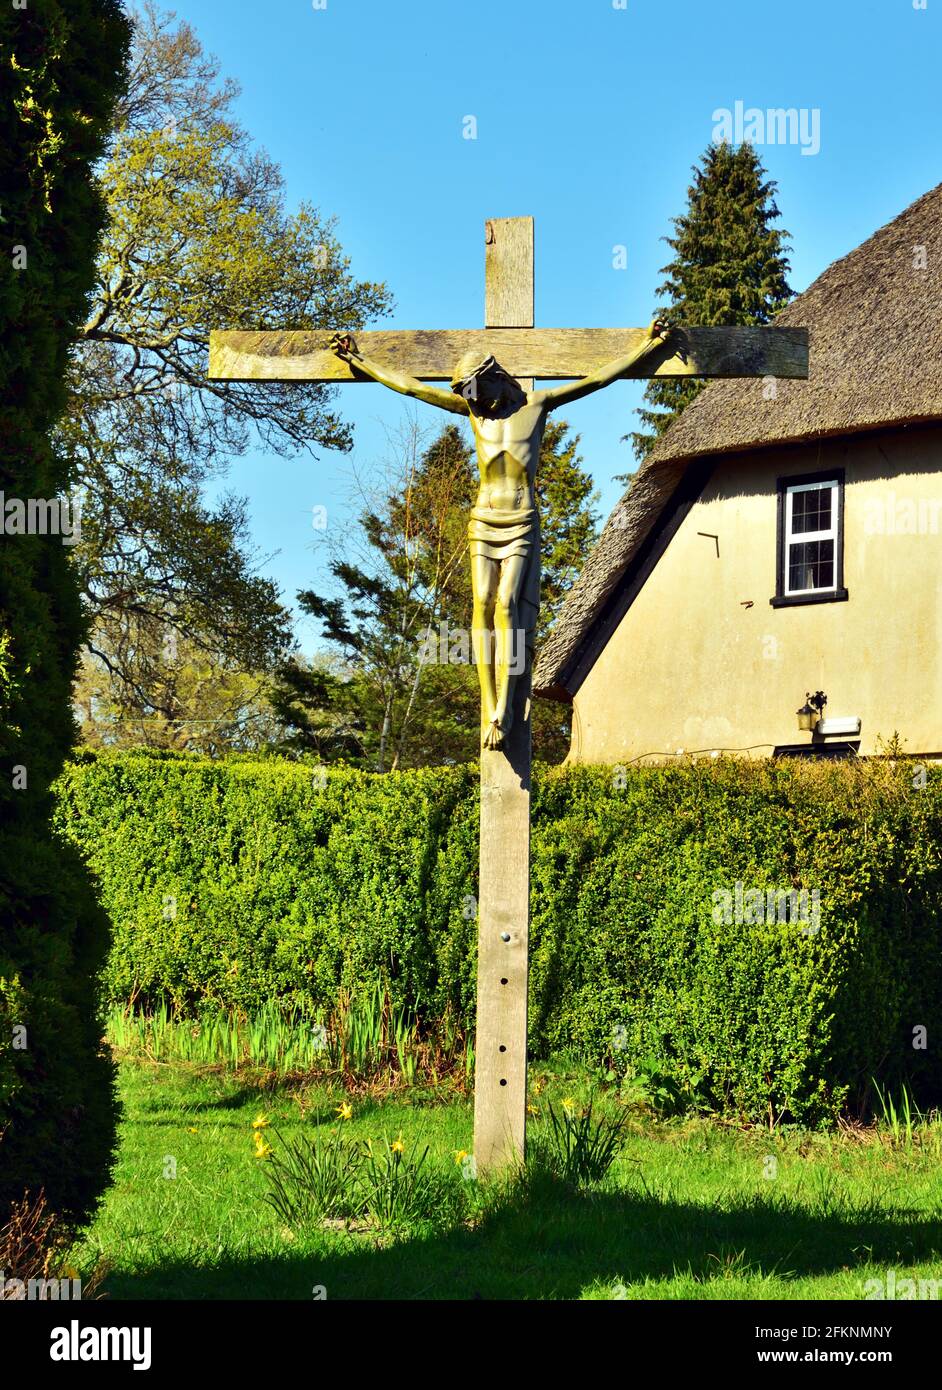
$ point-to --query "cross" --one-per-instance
(490, 372)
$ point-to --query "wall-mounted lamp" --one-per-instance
(812, 710)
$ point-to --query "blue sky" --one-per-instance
(589, 115)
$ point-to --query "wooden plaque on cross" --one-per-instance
(491, 374)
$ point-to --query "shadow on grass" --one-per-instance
(551, 1242)
(245, 1095)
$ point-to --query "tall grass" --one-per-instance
(280, 1040)
(387, 1185)
(900, 1119)
(365, 1038)
(316, 1178)
(578, 1146)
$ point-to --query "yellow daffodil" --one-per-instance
(568, 1103)
(260, 1122)
(191, 1129)
(345, 1110)
(460, 1155)
(532, 1110)
(262, 1150)
(397, 1146)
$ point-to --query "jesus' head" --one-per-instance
(484, 384)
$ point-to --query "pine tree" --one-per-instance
(729, 267)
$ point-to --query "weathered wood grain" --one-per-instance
(508, 272)
(500, 1049)
(500, 1055)
(550, 354)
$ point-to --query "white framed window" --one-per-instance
(810, 560)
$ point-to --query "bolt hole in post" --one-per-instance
(505, 936)
(502, 1048)
(503, 1081)
(504, 980)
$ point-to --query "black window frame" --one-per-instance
(836, 595)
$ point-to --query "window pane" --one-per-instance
(811, 510)
(811, 565)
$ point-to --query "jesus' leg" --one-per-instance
(485, 575)
(510, 651)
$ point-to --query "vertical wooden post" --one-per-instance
(500, 1083)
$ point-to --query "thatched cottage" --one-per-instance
(783, 539)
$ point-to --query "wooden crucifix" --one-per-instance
(490, 374)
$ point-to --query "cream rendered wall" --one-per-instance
(692, 666)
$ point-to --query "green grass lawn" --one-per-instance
(691, 1209)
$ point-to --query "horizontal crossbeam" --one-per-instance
(550, 354)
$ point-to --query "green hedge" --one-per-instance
(62, 66)
(286, 888)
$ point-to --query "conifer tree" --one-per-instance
(729, 267)
(63, 70)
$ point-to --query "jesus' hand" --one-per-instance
(665, 333)
(345, 346)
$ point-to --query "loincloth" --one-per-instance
(501, 534)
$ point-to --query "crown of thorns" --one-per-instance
(470, 368)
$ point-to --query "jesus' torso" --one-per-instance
(508, 450)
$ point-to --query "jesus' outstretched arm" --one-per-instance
(344, 345)
(657, 337)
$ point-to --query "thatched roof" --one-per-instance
(876, 362)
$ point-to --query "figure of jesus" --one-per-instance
(504, 530)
